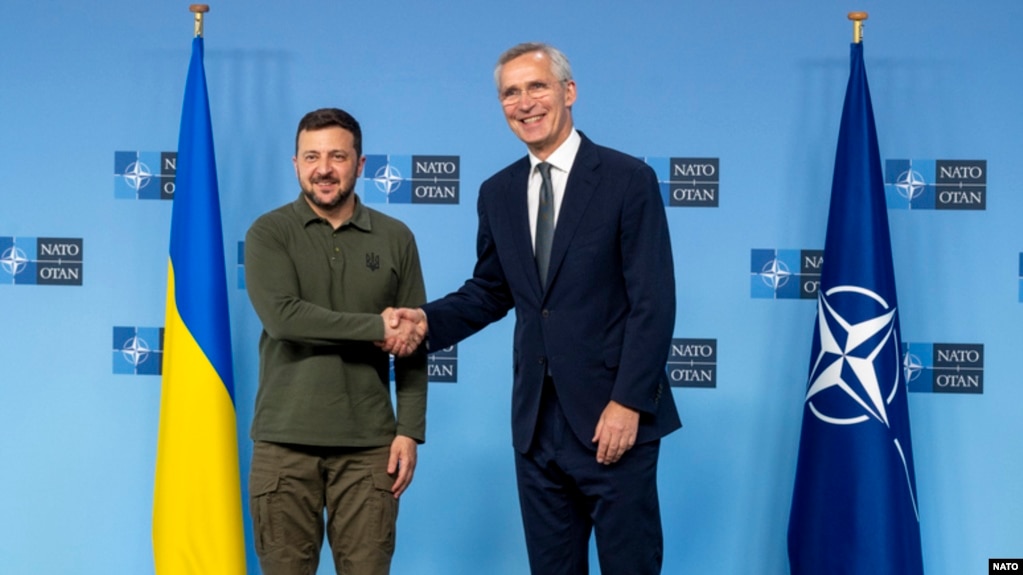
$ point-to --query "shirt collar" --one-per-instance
(360, 217)
(563, 157)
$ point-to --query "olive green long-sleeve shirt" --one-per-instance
(319, 293)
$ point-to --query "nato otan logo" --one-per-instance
(441, 366)
(693, 363)
(687, 182)
(944, 367)
(390, 179)
(785, 274)
(41, 261)
(144, 175)
(138, 350)
(936, 184)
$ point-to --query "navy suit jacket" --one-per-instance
(602, 327)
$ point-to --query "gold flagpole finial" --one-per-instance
(199, 10)
(857, 18)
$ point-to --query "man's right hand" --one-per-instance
(404, 330)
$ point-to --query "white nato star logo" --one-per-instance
(910, 184)
(387, 179)
(137, 175)
(911, 367)
(13, 260)
(846, 359)
(856, 346)
(135, 351)
(775, 273)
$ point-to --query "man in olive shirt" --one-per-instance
(322, 273)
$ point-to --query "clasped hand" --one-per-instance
(404, 330)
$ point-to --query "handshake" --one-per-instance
(404, 330)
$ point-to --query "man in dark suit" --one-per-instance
(594, 321)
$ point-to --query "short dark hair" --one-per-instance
(327, 118)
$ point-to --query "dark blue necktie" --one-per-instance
(544, 223)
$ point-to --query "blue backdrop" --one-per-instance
(756, 87)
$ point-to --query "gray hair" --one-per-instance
(559, 62)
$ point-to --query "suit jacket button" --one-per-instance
(545, 314)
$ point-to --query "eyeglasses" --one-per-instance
(536, 91)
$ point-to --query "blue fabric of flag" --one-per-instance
(196, 237)
(854, 507)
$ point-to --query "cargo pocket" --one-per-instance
(267, 528)
(388, 510)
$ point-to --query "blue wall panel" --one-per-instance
(757, 86)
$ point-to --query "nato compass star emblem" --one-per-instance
(910, 184)
(912, 367)
(775, 274)
(387, 179)
(13, 260)
(135, 351)
(845, 387)
(137, 175)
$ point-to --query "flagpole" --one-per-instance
(199, 10)
(857, 18)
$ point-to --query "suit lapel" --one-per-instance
(518, 218)
(582, 183)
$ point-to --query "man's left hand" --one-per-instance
(402, 461)
(616, 432)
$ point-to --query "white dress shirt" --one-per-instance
(561, 164)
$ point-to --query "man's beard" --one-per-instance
(341, 197)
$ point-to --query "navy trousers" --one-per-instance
(565, 495)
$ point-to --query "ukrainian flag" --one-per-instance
(197, 516)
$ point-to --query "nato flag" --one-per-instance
(854, 506)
